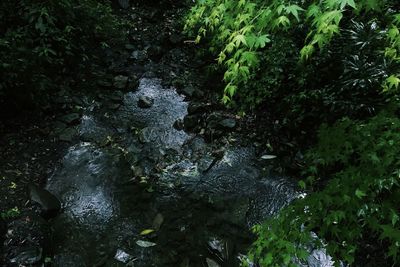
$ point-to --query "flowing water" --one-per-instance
(134, 171)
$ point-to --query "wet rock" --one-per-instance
(195, 107)
(188, 90)
(158, 221)
(155, 52)
(117, 97)
(122, 256)
(228, 123)
(120, 81)
(114, 106)
(191, 121)
(67, 135)
(145, 102)
(104, 83)
(178, 124)
(139, 55)
(133, 83)
(48, 202)
(123, 4)
(175, 38)
(198, 93)
(130, 47)
(27, 239)
(27, 255)
(70, 118)
(212, 263)
(68, 260)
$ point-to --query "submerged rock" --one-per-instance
(145, 102)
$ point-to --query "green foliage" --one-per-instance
(242, 32)
(44, 42)
(10, 214)
(357, 212)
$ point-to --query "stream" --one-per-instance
(136, 190)
(200, 214)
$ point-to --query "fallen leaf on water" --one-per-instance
(146, 231)
(145, 244)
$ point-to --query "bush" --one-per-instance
(357, 212)
(43, 43)
(307, 61)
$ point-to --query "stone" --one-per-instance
(67, 135)
(190, 122)
(212, 263)
(228, 123)
(104, 83)
(195, 107)
(133, 83)
(26, 239)
(188, 90)
(145, 102)
(139, 55)
(123, 4)
(117, 97)
(70, 118)
(48, 202)
(175, 38)
(122, 256)
(158, 221)
(178, 125)
(130, 47)
(120, 81)
(27, 255)
(155, 52)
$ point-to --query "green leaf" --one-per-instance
(282, 20)
(261, 41)
(392, 82)
(294, 10)
(360, 194)
(147, 231)
(347, 3)
(240, 39)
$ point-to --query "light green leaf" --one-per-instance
(294, 10)
(147, 231)
(360, 194)
(240, 39)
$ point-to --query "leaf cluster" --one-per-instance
(357, 212)
(44, 42)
